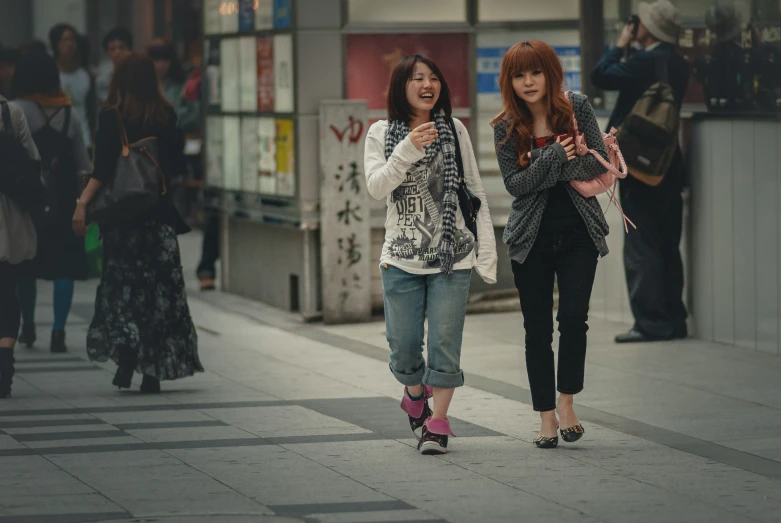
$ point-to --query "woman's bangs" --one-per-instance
(522, 58)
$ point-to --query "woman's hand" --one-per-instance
(423, 135)
(79, 220)
(627, 35)
(569, 147)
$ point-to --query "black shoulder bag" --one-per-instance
(468, 202)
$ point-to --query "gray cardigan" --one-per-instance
(530, 185)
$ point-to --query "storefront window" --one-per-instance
(387, 11)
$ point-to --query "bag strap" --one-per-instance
(122, 132)
(459, 160)
(67, 123)
(662, 67)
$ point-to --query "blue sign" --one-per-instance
(246, 15)
(282, 14)
(489, 65)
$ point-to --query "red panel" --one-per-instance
(266, 73)
(371, 59)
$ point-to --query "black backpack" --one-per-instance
(58, 165)
(20, 177)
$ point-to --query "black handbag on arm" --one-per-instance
(468, 202)
(137, 185)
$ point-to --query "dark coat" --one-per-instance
(633, 77)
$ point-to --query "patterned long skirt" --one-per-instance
(141, 304)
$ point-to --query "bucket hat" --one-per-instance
(662, 19)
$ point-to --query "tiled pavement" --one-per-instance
(297, 422)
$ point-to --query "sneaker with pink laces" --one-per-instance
(417, 411)
(435, 436)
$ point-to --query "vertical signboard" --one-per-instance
(212, 21)
(246, 15)
(282, 14)
(286, 158)
(265, 68)
(283, 73)
(229, 74)
(264, 15)
(249, 154)
(345, 213)
(231, 153)
(267, 160)
(229, 16)
(214, 151)
(248, 74)
(213, 81)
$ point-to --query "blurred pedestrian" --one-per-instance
(553, 233)
(172, 77)
(652, 258)
(415, 159)
(8, 59)
(142, 320)
(117, 42)
(56, 130)
(18, 239)
(77, 82)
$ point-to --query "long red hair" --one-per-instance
(533, 55)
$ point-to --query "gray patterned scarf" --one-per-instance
(445, 142)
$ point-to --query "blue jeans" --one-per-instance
(407, 299)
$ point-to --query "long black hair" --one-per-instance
(36, 73)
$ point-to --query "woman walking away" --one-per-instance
(142, 321)
(552, 232)
(56, 130)
(18, 240)
(415, 160)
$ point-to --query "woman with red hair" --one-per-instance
(553, 232)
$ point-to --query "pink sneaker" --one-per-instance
(434, 438)
(417, 411)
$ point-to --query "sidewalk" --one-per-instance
(298, 422)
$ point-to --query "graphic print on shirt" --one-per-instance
(419, 221)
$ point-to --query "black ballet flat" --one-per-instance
(572, 434)
(150, 385)
(544, 442)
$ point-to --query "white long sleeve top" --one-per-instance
(413, 224)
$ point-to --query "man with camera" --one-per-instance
(652, 260)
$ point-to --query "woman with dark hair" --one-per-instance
(553, 232)
(70, 53)
(56, 130)
(416, 159)
(142, 320)
(172, 77)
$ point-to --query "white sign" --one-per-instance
(249, 154)
(229, 74)
(345, 213)
(267, 159)
(212, 21)
(231, 153)
(214, 151)
(283, 73)
(229, 13)
(264, 15)
(248, 73)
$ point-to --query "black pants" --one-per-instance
(652, 258)
(210, 250)
(571, 257)
(10, 314)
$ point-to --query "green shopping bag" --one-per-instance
(94, 251)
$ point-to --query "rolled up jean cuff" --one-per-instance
(409, 380)
(441, 380)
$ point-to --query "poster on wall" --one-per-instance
(248, 78)
(213, 81)
(286, 155)
(265, 68)
(264, 15)
(229, 74)
(231, 153)
(282, 14)
(283, 73)
(371, 59)
(249, 154)
(247, 15)
(212, 21)
(267, 161)
(214, 151)
(229, 15)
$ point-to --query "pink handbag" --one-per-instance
(615, 169)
